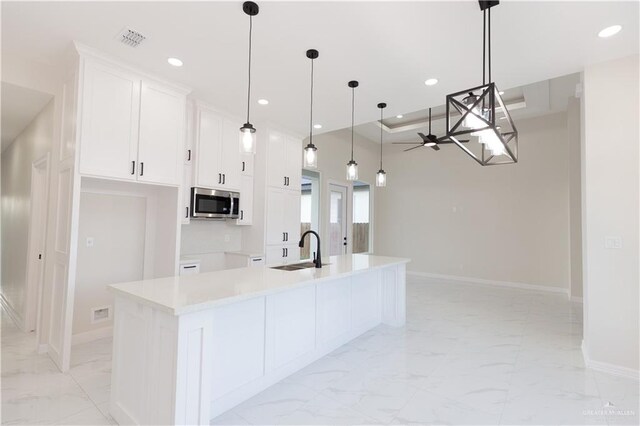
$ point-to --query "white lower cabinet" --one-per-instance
(238, 345)
(282, 254)
(291, 324)
(333, 314)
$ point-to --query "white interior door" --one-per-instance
(37, 238)
(337, 219)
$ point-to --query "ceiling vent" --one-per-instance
(131, 37)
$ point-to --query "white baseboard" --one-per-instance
(605, 367)
(90, 336)
(17, 319)
(483, 281)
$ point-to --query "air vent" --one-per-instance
(131, 38)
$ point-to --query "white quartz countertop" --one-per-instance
(183, 294)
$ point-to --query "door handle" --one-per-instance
(345, 241)
(133, 167)
(141, 168)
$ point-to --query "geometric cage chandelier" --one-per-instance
(479, 113)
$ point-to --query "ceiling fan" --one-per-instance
(430, 140)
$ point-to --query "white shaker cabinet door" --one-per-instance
(293, 163)
(276, 160)
(208, 149)
(109, 126)
(276, 207)
(291, 216)
(160, 152)
(231, 164)
(246, 201)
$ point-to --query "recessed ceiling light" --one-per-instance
(610, 31)
(317, 126)
(431, 81)
(175, 62)
(399, 116)
(263, 102)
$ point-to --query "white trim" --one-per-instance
(92, 335)
(11, 312)
(575, 299)
(605, 367)
(522, 286)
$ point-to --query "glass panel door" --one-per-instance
(361, 218)
(337, 219)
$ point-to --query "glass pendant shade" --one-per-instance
(381, 178)
(310, 156)
(352, 170)
(247, 139)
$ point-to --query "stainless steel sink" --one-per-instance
(296, 266)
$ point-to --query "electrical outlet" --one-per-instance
(613, 243)
(89, 241)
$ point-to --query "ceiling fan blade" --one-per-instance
(446, 141)
(424, 138)
(409, 149)
(435, 148)
(405, 143)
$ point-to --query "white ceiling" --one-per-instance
(19, 107)
(390, 47)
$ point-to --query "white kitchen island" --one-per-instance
(186, 349)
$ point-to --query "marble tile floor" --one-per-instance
(468, 355)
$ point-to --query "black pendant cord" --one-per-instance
(381, 109)
(311, 113)
(353, 108)
(484, 46)
(249, 85)
(429, 120)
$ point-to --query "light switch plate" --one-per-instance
(614, 242)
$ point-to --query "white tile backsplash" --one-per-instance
(210, 236)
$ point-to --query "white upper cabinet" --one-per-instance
(132, 128)
(284, 161)
(160, 147)
(109, 117)
(231, 163)
(217, 152)
(207, 149)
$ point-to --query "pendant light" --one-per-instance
(474, 111)
(247, 131)
(352, 166)
(381, 176)
(310, 151)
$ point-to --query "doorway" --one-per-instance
(37, 240)
(337, 219)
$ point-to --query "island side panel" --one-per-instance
(144, 364)
(394, 295)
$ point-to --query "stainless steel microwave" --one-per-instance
(214, 204)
